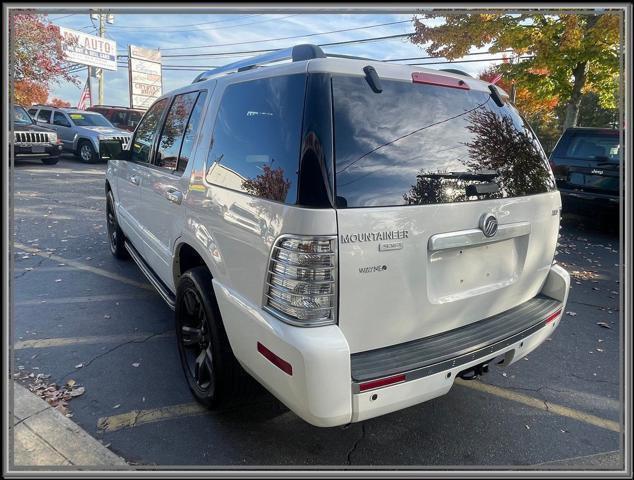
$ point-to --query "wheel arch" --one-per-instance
(80, 140)
(187, 256)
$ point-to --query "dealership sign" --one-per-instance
(79, 47)
(146, 84)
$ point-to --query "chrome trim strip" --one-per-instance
(153, 279)
(466, 238)
(292, 292)
(288, 277)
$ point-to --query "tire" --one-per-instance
(212, 372)
(50, 160)
(116, 238)
(87, 152)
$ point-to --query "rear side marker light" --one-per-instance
(275, 360)
(553, 316)
(440, 80)
(381, 382)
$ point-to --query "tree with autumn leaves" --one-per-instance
(562, 55)
(36, 57)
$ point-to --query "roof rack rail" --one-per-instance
(456, 71)
(353, 57)
(295, 54)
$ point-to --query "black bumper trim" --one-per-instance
(429, 355)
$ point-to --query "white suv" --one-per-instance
(355, 234)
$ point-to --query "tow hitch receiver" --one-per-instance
(474, 372)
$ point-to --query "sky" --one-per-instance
(201, 33)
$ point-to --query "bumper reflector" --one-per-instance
(275, 360)
(553, 316)
(381, 382)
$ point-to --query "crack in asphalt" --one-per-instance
(594, 380)
(592, 305)
(356, 444)
(38, 265)
(109, 351)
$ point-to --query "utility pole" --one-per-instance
(102, 33)
(103, 18)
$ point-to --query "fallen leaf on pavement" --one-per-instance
(79, 365)
(76, 392)
(572, 314)
(136, 364)
(603, 324)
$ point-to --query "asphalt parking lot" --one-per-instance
(80, 314)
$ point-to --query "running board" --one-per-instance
(156, 282)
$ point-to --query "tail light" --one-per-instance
(301, 284)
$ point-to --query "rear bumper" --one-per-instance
(572, 199)
(324, 387)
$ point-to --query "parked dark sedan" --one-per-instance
(32, 141)
(586, 163)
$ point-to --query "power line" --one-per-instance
(267, 50)
(231, 26)
(191, 24)
(424, 58)
(288, 38)
(65, 16)
(468, 61)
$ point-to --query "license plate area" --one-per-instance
(457, 273)
(38, 149)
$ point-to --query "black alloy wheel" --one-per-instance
(196, 342)
(212, 372)
(116, 238)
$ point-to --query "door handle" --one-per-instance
(135, 180)
(174, 196)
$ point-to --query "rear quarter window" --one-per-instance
(257, 135)
(402, 146)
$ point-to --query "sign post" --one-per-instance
(145, 76)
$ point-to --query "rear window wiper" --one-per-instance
(477, 175)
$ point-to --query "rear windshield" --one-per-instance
(416, 144)
(591, 147)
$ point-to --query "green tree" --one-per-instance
(568, 54)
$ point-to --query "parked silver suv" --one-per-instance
(354, 234)
(82, 132)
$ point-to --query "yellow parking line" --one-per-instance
(83, 266)
(62, 342)
(141, 417)
(540, 405)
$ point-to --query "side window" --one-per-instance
(44, 116)
(190, 132)
(32, 112)
(257, 136)
(60, 119)
(146, 132)
(174, 129)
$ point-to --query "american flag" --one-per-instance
(84, 99)
(496, 79)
